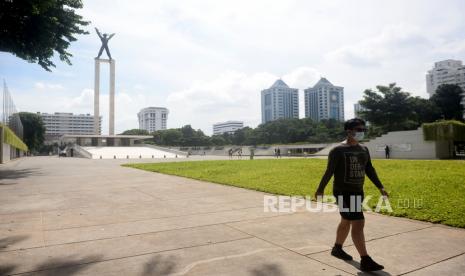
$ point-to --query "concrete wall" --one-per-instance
(408, 144)
(6, 152)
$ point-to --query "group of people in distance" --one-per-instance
(231, 152)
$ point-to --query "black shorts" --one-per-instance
(350, 204)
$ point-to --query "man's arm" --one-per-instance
(332, 162)
(372, 175)
(110, 36)
(98, 33)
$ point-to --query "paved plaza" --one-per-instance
(72, 216)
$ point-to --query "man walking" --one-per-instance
(349, 162)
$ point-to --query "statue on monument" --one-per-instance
(104, 38)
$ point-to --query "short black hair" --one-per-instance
(352, 123)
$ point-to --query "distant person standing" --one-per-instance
(387, 151)
(252, 153)
(239, 154)
(230, 153)
(278, 153)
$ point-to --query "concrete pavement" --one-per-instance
(72, 216)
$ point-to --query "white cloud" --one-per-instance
(394, 42)
(126, 108)
(207, 60)
(231, 96)
(43, 86)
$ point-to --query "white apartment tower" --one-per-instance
(357, 109)
(61, 123)
(153, 118)
(448, 71)
(324, 101)
(227, 127)
(279, 102)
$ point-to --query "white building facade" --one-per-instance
(279, 102)
(61, 123)
(324, 101)
(153, 118)
(357, 109)
(446, 72)
(227, 127)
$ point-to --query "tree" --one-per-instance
(425, 110)
(35, 29)
(448, 99)
(135, 131)
(33, 130)
(389, 108)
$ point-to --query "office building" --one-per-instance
(153, 118)
(279, 102)
(446, 72)
(227, 127)
(357, 109)
(61, 123)
(324, 101)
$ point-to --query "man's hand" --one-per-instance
(383, 192)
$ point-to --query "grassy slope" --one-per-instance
(439, 184)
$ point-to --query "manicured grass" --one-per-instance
(434, 190)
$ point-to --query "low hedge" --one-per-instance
(444, 131)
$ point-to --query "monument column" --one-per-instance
(104, 38)
(97, 97)
(112, 97)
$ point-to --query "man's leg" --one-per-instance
(108, 51)
(358, 237)
(100, 52)
(342, 231)
(341, 234)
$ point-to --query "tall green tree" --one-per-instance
(33, 130)
(389, 108)
(425, 110)
(448, 99)
(35, 29)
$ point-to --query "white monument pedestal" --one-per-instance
(97, 96)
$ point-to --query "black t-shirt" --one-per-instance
(349, 164)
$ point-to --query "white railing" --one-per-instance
(78, 150)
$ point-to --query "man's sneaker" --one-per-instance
(341, 254)
(367, 264)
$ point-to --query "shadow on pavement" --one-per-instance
(159, 265)
(16, 174)
(65, 266)
(5, 242)
(361, 273)
(267, 270)
(6, 269)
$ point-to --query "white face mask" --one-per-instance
(359, 135)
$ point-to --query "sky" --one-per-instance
(208, 60)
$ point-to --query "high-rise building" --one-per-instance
(447, 71)
(153, 118)
(357, 109)
(61, 123)
(279, 102)
(227, 127)
(324, 101)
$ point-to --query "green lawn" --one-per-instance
(438, 184)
